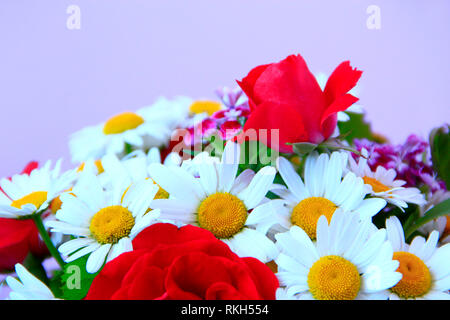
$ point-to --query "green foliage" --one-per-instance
(409, 213)
(355, 128)
(255, 155)
(333, 144)
(74, 280)
(440, 152)
(303, 148)
(439, 210)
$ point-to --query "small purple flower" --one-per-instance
(410, 160)
(226, 121)
(232, 98)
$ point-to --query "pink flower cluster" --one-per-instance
(411, 160)
(226, 122)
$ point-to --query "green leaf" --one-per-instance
(440, 152)
(216, 146)
(55, 284)
(75, 280)
(255, 155)
(355, 128)
(439, 210)
(303, 148)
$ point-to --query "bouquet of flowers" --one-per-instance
(279, 189)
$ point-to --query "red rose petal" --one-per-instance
(30, 167)
(191, 275)
(15, 241)
(167, 233)
(109, 280)
(284, 118)
(248, 83)
(181, 263)
(263, 277)
(148, 284)
(342, 80)
(223, 291)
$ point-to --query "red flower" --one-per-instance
(286, 96)
(19, 237)
(186, 263)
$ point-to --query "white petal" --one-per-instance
(229, 166)
(292, 179)
(258, 188)
(97, 258)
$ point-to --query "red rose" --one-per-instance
(186, 263)
(286, 96)
(19, 237)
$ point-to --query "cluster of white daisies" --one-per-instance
(316, 227)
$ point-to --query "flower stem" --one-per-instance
(48, 242)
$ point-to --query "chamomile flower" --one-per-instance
(382, 183)
(104, 221)
(424, 266)
(348, 261)
(147, 127)
(230, 207)
(27, 286)
(193, 165)
(323, 192)
(134, 167)
(205, 107)
(25, 194)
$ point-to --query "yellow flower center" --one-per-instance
(334, 278)
(416, 278)
(37, 198)
(376, 185)
(223, 214)
(308, 211)
(205, 106)
(111, 224)
(98, 164)
(122, 122)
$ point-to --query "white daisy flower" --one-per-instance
(104, 221)
(193, 165)
(382, 183)
(424, 266)
(92, 166)
(147, 127)
(201, 109)
(25, 194)
(348, 261)
(230, 207)
(27, 286)
(323, 192)
(135, 167)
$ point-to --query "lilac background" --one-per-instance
(54, 81)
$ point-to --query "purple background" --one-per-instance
(54, 81)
